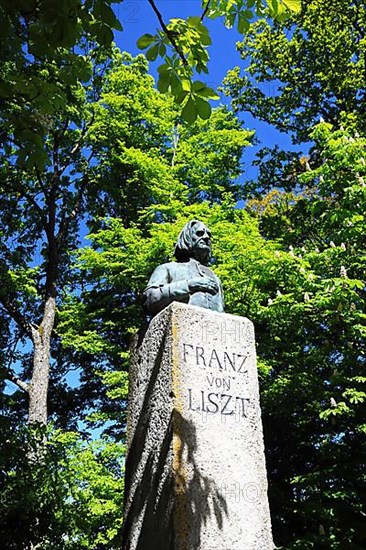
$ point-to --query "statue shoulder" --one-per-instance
(171, 264)
(162, 273)
(167, 266)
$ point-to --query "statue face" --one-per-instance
(201, 242)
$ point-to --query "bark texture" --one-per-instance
(38, 388)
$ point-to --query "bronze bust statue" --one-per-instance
(187, 280)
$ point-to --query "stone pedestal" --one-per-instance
(195, 471)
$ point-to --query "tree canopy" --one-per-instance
(118, 154)
(312, 66)
(306, 77)
(99, 172)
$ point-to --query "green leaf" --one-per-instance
(189, 111)
(205, 37)
(194, 21)
(208, 92)
(186, 84)
(163, 68)
(162, 50)
(175, 83)
(145, 41)
(292, 5)
(164, 81)
(181, 96)
(198, 86)
(103, 34)
(152, 52)
(108, 17)
(118, 25)
(203, 108)
(273, 6)
(230, 19)
(243, 25)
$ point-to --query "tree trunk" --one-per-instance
(38, 388)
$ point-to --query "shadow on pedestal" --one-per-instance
(168, 499)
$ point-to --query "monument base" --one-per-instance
(195, 470)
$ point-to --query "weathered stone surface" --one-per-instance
(195, 472)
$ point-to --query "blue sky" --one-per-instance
(138, 18)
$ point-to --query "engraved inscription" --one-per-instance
(222, 371)
(218, 382)
(212, 359)
(213, 403)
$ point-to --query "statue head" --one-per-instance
(194, 241)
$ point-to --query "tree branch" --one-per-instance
(12, 377)
(12, 309)
(66, 220)
(175, 144)
(77, 145)
(36, 206)
(39, 177)
(16, 315)
(205, 10)
(169, 34)
(52, 255)
(25, 194)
